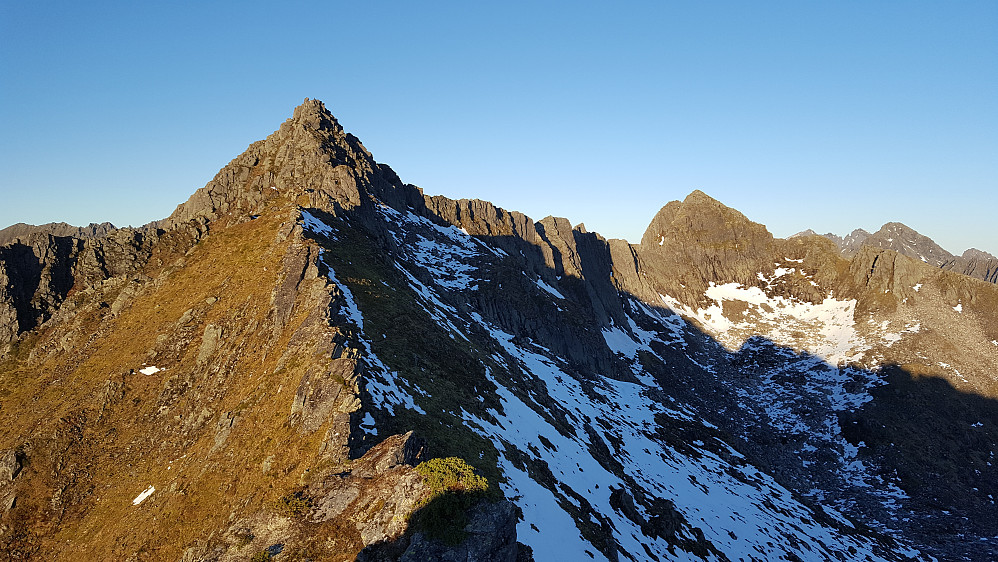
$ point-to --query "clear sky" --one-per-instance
(822, 115)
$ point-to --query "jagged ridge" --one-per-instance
(453, 333)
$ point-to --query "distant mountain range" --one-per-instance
(22, 230)
(906, 241)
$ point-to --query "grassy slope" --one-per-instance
(97, 462)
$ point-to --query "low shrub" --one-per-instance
(295, 504)
(455, 487)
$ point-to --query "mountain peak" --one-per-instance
(697, 212)
(908, 241)
(697, 197)
(808, 232)
(974, 253)
(896, 227)
(312, 114)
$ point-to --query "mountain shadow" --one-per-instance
(306, 304)
(873, 458)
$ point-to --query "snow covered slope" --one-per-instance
(604, 465)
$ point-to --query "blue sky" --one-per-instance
(829, 116)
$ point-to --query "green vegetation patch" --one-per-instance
(451, 474)
(455, 488)
(294, 504)
(262, 556)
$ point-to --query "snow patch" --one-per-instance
(145, 494)
(549, 289)
(726, 501)
(151, 370)
(312, 224)
(350, 308)
(368, 424)
(620, 342)
(826, 329)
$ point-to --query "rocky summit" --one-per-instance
(312, 360)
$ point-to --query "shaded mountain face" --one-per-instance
(906, 241)
(241, 379)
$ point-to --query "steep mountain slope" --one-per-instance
(975, 263)
(711, 393)
(205, 405)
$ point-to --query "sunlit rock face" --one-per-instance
(243, 379)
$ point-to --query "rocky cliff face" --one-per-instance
(974, 263)
(38, 272)
(699, 241)
(905, 240)
(241, 379)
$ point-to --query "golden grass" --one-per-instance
(107, 463)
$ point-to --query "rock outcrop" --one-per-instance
(204, 370)
(974, 263)
(368, 506)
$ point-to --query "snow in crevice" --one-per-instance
(629, 342)
(549, 289)
(349, 308)
(620, 342)
(367, 424)
(314, 225)
(383, 384)
(441, 313)
(890, 335)
(448, 253)
(145, 494)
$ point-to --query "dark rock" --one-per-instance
(322, 395)
(491, 536)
